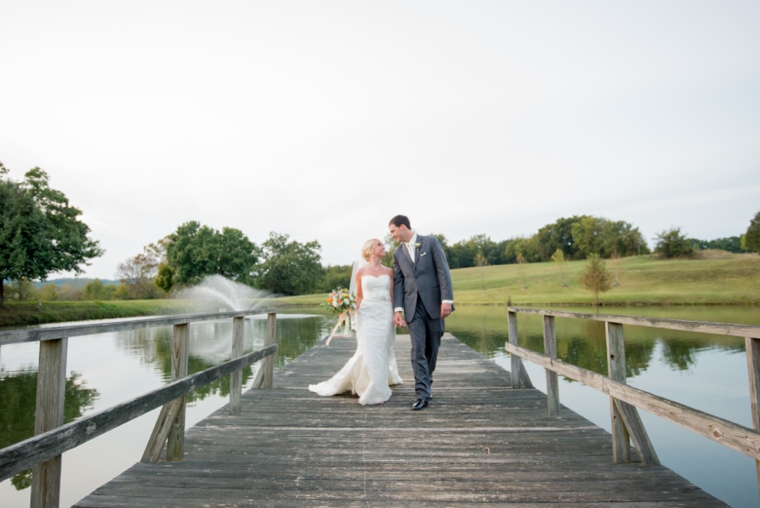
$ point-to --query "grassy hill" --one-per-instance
(718, 277)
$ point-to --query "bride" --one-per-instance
(373, 367)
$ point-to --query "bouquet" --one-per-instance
(342, 302)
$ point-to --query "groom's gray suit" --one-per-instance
(419, 288)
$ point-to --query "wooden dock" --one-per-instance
(479, 442)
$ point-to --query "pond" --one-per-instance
(702, 371)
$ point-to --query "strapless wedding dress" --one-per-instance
(373, 367)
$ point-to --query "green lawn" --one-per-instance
(643, 280)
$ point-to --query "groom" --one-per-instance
(422, 291)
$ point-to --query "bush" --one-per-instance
(673, 244)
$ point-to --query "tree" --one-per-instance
(195, 251)
(558, 235)
(49, 292)
(481, 261)
(673, 244)
(559, 259)
(588, 235)
(751, 239)
(289, 267)
(96, 290)
(337, 276)
(595, 277)
(521, 269)
(40, 232)
(137, 275)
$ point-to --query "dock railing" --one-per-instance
(626, 425)
(51, 437)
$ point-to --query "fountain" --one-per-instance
(215, 293)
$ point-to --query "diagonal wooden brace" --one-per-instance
(637, 432)
(161, 431)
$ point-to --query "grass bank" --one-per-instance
(30, 313)
(726, 279)
(720, 278)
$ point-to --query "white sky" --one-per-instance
(322, 120)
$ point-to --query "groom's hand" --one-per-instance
(445, 310)
(398, 320)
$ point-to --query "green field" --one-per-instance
(718, 278)
(721, 279)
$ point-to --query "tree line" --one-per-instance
(41, 233)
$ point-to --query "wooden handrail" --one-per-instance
(725, 432)
(625, 421)
(736, 330)
(58, 330)
(23, 455)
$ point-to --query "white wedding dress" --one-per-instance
(373, 367)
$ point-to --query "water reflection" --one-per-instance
(18, 393)
(582, 342)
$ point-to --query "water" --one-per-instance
(702, 371)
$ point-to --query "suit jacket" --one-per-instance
(427, 278)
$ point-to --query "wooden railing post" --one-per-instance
(51, 390)
(626, 422)
(268, 364)
(753, 367)
(236, 378)
(550, 350)
(175, 447)
(520, 378)
(621, 445)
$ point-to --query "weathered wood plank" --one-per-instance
(175, 441)
(479, 442)
(20, 456)
(550, 350)
(76, 329)
(752, 346)
(519, 376)
(51, 390)
(236, 378)
(736, 330)
(161, 430)
(725, 432)
(621, 445)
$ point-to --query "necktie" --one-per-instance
(410, 248)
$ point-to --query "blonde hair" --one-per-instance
(369, 246)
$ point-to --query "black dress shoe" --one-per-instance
(420, 404)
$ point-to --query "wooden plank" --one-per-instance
(175, 443)
(621, 445)
(637, 433)
(161, 430)
(268, 363)
(21, 456)
(519, 375)
(550, 350)
(725, 432)
(236, 378)
(479, 442)
(736, 330)
(54, 331)
(49, 411)
(626, 423)
(752, 346)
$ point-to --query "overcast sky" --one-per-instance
(322, 120)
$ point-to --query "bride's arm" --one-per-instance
(359, 293)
